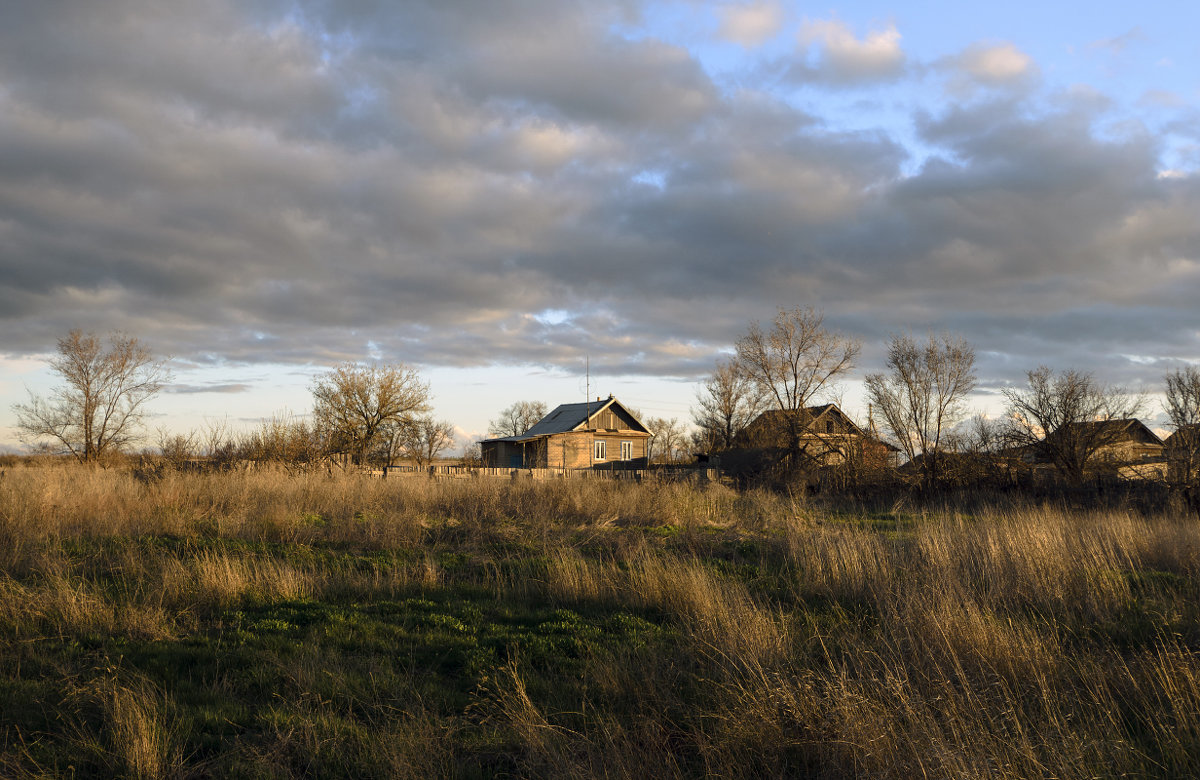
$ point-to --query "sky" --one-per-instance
(495, 192)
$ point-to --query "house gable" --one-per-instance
(613, 416)
(771, 426)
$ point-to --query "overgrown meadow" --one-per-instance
(261, 624)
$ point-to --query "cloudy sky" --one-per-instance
(492, 190)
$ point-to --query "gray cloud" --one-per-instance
(286, 182)
(225, 389)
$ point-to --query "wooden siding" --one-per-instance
(613, 418)
(573, 450)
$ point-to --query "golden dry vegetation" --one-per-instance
(267, 624)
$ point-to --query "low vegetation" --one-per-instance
(272, 624)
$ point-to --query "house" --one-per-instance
(1182, 449)
(1124, 446)
(827, 436)
(592, 434)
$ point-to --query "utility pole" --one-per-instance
(587, 406)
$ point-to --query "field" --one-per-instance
(267, 625)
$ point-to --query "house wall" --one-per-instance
(830, 450)
(572, 450)
(612, 444)
(575, 450)
(1126, 451)
(567, 451)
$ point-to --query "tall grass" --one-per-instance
(413, 628)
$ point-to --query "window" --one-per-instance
(599, 449)
(626, 450)
(829, 426)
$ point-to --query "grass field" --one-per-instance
(265, 625)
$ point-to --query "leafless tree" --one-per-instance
(792, 363)
(354, 403)
(1183, 445)
(667, 437)
(176, 449)
(1063, 417)
(101, 405)
(727, 402)
(921, 398)
(283, 438)
(424, 438)
(518, 418)
(218, 443)
(473, 454)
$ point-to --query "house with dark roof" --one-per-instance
(1182, 449)
(587, 435)
(826, 435)
(1122, 446)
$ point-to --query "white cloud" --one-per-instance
(841, 58)
(990, 65)
(997, 64)
(750, 23)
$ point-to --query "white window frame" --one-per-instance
(626, 450)
(599, 450)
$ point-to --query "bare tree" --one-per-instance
(518, 418)
(1183, 445)
(727, 402)
(218, 443)
(354, 403)
(921, 397)
(283, 438)
(176, 449)
(424, 438)
(473, 454)
(667, 437)
(1066, 417)
(101, 405)
(794, 362)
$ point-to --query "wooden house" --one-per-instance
(827, 436)
(1182, 449)
(1125, 447)
(587, 435)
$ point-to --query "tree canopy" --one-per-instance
(353, 403)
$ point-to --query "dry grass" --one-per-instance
(763, 637)
(143, 737)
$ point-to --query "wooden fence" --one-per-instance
(652, 474)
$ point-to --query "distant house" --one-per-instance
(574, 436)
(1182, 449)
(1122, 446)
(827, 436)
